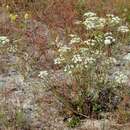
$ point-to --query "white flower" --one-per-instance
(89, 60)
(58, 60)
(108, 38)
(89, 14)
(75, 40)
(72, 35)
(123, 29)
(64, 49)
(89, 24)
(110, 15)
(107, 42)
(113, 20)
(108, 34)
(90, 42)
(77, 58)
(94, 23)
(43, 74)
(3, 40)
(101, 23)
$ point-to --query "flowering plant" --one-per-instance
(90, 60)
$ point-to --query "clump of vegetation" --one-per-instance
(89, 60)
(13, 119)
(73, 122)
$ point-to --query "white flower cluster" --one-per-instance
(120, 77)
(89, 14)
(74, 39)
(58, 60)
(113, 20)
(77, 58)
(123, 29)
(88, 60)
(3, 40)
(43, 74)
(92, 21)
(64, 49)
(108, 38)
(90, 42)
